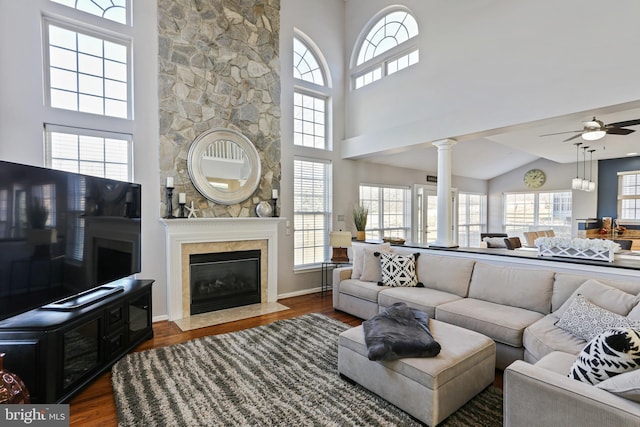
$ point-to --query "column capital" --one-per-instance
(445, 142)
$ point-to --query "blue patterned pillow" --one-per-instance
(398, 270)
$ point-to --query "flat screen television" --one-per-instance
(63, 234)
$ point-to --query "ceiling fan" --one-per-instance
(596, 129)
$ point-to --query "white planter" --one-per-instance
(591, 254)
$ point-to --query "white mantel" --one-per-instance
(203, 230)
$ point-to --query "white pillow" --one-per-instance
(357, 260)
(371, 265)
(625, 385)
(586, 320)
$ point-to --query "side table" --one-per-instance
(327, 268)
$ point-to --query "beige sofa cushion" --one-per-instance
(544, 337)
(517, 287)
(565, 284)
(605, 296)
(502, 323)
(445, 273)
(423, 299)
(363, 290)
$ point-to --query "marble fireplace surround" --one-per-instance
(204, 235)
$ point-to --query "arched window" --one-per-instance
(387, 47)
(305, 64)
(312, 172)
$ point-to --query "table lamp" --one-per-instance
(340, 241)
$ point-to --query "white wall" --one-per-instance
(22, 115)
(485, 64)
(559, 178)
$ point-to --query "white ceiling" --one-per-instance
(494, 152)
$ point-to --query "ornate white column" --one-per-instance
(445, 204)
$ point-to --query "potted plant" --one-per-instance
(360, 214)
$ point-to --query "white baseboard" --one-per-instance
(299, 293)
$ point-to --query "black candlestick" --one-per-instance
(275, 208)
(170, 203)
(182, 209)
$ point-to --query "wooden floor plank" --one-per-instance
(95, 405)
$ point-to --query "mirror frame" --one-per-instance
(197, 149)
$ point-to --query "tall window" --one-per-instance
(388, 47)
(88, 69)
(472, 218)
(389, 211)
(311, 211)
(629, 196)
(532, 211)
(310, 97)
(312, 174)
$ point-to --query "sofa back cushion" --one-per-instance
(519, 287)
(566, 284)
(445, 273)
(602, 295)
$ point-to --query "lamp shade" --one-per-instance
(593, 135)
(340, 239)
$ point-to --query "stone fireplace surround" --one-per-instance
(202, 235)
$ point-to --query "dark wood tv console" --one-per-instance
(57, 352)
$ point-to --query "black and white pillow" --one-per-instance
(611, 353)
(398, 270)
(587, 320)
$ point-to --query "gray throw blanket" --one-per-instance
(397, 332)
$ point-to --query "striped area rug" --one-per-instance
(281, 374)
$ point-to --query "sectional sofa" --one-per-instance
(515, 305)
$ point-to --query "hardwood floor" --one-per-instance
(95, 405)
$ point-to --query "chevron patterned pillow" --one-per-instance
(398, 270)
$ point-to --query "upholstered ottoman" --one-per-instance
(429, 389)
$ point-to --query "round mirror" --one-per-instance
(224, 166)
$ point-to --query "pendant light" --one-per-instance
(576, 183)
(592, 185)
(585, 182)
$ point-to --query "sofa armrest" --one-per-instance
(534, 396)
(339, 274)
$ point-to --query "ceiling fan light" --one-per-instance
(593, 135)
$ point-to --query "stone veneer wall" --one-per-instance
(218, 68)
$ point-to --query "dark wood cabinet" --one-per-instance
(57, 352)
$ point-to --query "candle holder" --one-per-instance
(169, 203)
(275, 207)
(182, 210)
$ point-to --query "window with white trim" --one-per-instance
(88, 69)
(629, 197)
(538, 210)
(310, 97)
(389, 211)
(311, 210)
(472, 218)
(114, 10)
(97, 153)
(388, 47)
